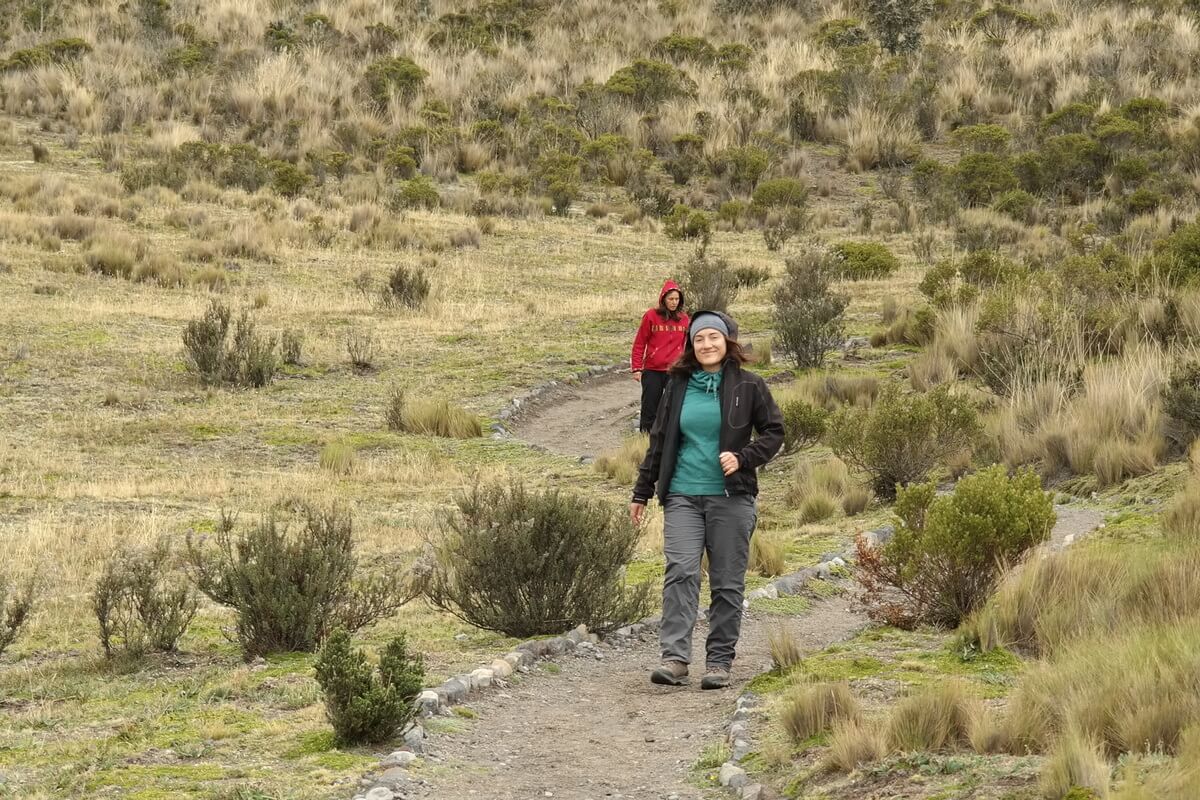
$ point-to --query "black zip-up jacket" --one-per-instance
(746, 405)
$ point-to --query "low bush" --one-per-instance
(807, 315)
(708, 281)
(527, 562)
(857, 261)
(981, 177)
(15, 610)
(361, 348)
(292, 585)
(433, 416)
(140, 604)
(685, 223)
(291, 347)
(803, 423)
(406, 286)
(365, 704)
(902, 437)
(388, 77)
(947, 552)
(622, 464)
(811, 710)
(246, 359)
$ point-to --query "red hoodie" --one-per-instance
(660, 339)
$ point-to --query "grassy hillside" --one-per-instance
(1032, 169)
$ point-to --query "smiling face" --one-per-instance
(671, 300)
(709, 344)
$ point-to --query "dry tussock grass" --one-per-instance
(812, 709)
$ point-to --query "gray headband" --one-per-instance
(707, 321)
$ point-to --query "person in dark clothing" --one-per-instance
(659, 341)
(702, 465)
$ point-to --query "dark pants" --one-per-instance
(653, 384)
(692, 526)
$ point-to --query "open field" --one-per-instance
(1005, 194)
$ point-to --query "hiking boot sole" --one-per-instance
(710, 682)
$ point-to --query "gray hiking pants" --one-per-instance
(720, 526)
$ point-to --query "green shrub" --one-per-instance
(647, 83)
(980, 177)
(902, 437)
(779, 193)
(1016, 204)
(750, 276)
(677, 47)
(246, 359)
(841, 33)
(15, 610)
(807, 316)
(366, 705)
(950, 282)
(1177, 257)
(982, 138)
(687, 223)
(528, 562)
(139, 604)
(558, 174)
(56, 52)
(1181, 396)
(897, 25)
(420, 192)
(708, 282)
(741, 166)
(803, 424)
(406, 286)
(947, 552)
(862, 260)
(397, 75)
(290, 588)
(287, 179)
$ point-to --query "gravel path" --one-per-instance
(600, 729)
(584, 420)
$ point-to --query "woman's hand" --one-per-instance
(637, 376)
(636, 512)
(729, 463)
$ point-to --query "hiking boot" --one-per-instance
(671, 673)
(715, 677)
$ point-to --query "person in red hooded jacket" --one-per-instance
(659, 342)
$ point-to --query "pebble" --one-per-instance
(400, 758)
(414, 737)
(381, 793)
(461, 637)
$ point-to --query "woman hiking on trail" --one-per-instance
(702, 464)
(658, 342)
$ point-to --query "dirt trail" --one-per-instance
(584, 420)
(600, 729)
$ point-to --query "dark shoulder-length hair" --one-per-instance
(688, 363)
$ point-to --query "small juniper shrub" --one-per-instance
(360, 347)
(527, 562)
(366, 704)
(15, 609)
(291, 585)
(246, 359)
(708, 281)
(807, 315)
(434, 416)
(902, 437)
(947, 553)
(291, 347)
(811, 710)
(140, 603)
(406, 286)
(621, 465)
